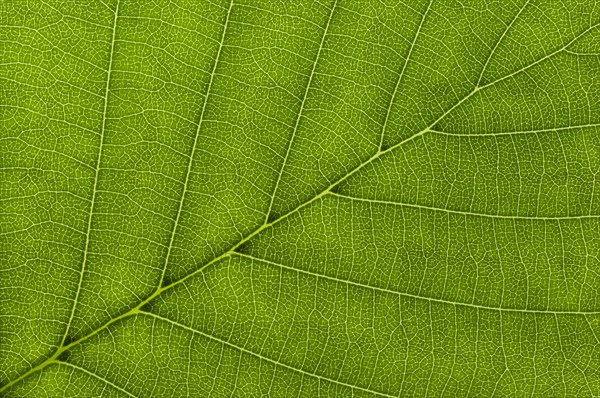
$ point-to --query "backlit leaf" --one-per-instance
(299, 198)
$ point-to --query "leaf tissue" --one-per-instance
(299, 198)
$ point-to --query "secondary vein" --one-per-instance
(297, 123)
(273, 361)
(415, 296)
(97, 172)
(401, 74)
(194, 145)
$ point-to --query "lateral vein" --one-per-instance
(415, 296)
(401, 74)
(254, 354)
(466, 213)
(84, 370)
(97, 172)
(194, 145)
(297, 122)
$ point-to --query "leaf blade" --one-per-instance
(457, 257)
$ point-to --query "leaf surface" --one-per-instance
(299, 198)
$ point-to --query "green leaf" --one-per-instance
(299, 198)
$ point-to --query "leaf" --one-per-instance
(299, 198)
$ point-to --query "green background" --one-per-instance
(299, 198)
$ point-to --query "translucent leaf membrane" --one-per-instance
(299, 198)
